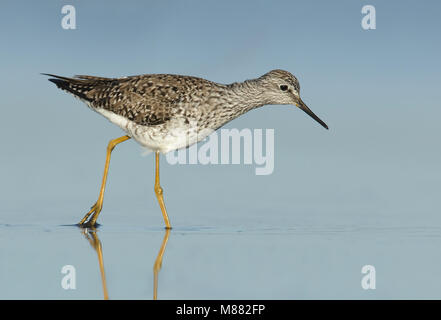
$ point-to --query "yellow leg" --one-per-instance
(159, 194)
(96, 208)
(95, 242)
(99, 252)
(158, 264)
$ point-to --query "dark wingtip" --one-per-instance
(73, 86)
(51, 75)
(58, 82)
(61, 82)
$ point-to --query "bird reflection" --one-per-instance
(158, 264)
(91, 235)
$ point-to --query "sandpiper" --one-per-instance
(165, 112)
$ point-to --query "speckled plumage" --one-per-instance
(166, 112)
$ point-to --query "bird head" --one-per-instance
(281, 87)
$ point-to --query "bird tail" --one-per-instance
(79, 86)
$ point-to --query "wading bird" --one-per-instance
(165, 112)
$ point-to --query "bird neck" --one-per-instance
(248, 94)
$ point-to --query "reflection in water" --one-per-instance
(158, 264)
(91, 235)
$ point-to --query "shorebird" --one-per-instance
(166, 112)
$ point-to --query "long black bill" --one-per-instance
(305, 108)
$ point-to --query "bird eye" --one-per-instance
(283, 87)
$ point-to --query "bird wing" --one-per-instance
(147, 100)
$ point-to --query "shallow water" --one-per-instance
(301, 261)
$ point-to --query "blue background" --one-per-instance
(364, 192)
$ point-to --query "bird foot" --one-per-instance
(91, 223)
